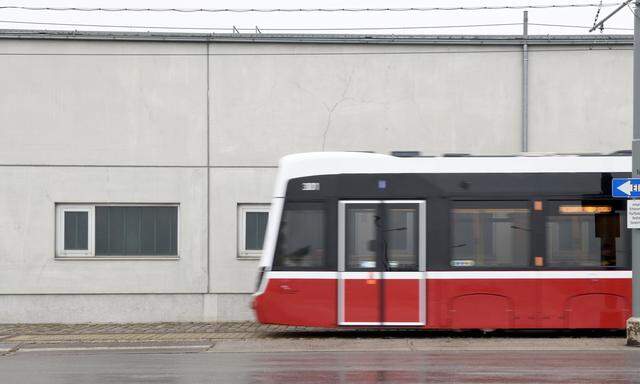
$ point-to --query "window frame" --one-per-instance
(243, 209)
(515, 203)
(555, 201)
(61, 254)
(61, 210)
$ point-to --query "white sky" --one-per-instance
(568, 16)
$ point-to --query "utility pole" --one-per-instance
(525, 81)
(633, 323)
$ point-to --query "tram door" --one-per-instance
(381, 262)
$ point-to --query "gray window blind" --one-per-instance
(136, 231)
(76, 226)
(256, 225)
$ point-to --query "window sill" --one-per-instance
(119, 258)
(248, 257)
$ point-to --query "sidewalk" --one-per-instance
(253, 337)
(138, 332)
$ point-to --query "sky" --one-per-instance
(267, 22)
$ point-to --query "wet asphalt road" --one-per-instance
(87, 367)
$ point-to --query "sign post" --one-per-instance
(633, 324)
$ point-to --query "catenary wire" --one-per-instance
(578, 26)
(270, 10)
(262, 28)
(301, 28)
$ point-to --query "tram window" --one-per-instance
(490, 234)
(402, 239)
(361, 235)
(301, 241)
(582, 234)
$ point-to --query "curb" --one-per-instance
(127, 337)
(178, 347)
(8, 348)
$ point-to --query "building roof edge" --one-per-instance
(318, 38)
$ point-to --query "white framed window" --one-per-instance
(74, 230)
(117, 230)
(252, 225)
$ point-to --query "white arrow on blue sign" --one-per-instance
(625, 187)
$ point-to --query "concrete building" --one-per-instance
(178, 137)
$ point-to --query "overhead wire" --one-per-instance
(578, 26)
(244, 10)
(256, 28)
(266, 28)
(283, 29)
(270, 10)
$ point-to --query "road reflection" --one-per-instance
(401, 367)
(448, 367)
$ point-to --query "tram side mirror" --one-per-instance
(372, 245)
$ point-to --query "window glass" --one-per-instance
(583, 234)
(136, 231)
(401, 232)
(490, 234)
(360, 236)
(301, 241)
(255, 227)
(76, 230)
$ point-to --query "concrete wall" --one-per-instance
(580, 101)
(277, 99)
(108, 103)
(144, 122)
(27, 200)
(230, 187)
(124, 308)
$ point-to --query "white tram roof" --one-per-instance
(333, 163)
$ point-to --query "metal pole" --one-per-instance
(600, 24)
(635, 233)
(525, 81)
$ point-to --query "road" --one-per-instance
(204, 364)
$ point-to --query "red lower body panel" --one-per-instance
(401, 301)
(309, 302)
(585, 303)
(376, 301)
(362, 301)
(454, 303)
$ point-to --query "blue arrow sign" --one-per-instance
(626, 187)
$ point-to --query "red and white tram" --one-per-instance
(362, 239)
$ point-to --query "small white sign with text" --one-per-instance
(633, 214)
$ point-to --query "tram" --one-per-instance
(450, 242)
